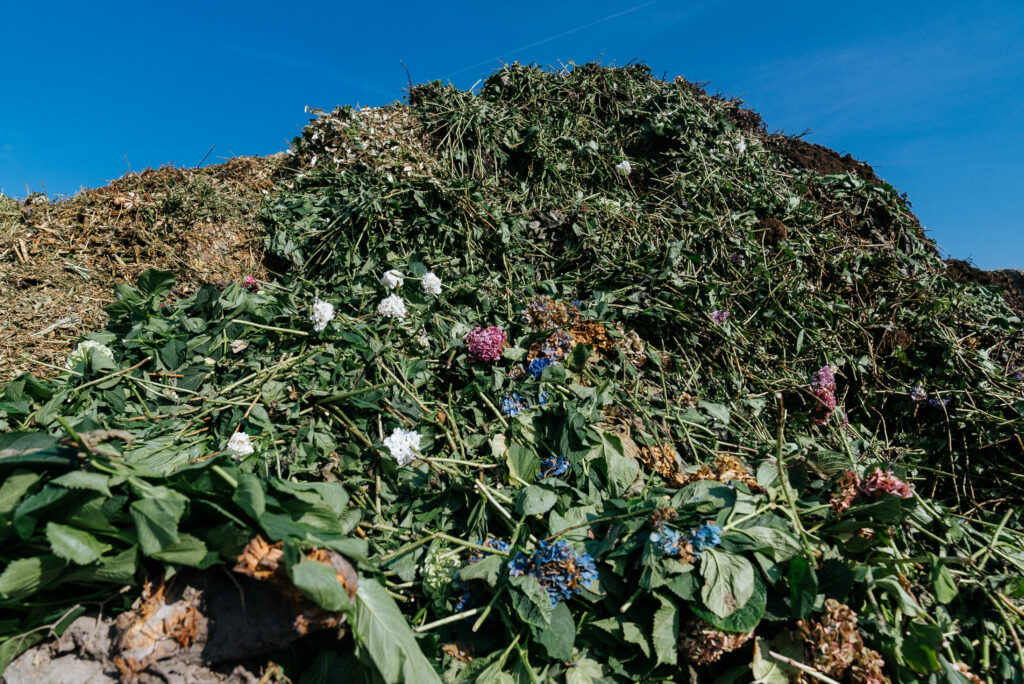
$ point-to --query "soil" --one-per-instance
(207, 627)
(821, 159)
(1009, 281)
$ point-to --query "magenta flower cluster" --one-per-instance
(486, 344)
(823, 387)
(250, 284)
(720, 317)
(884, 482)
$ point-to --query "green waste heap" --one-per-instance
(586, 377)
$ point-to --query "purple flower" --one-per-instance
(486, 344)
(720, 317)
(738, 259)
(917, 393)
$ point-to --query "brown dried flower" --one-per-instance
(700, 643)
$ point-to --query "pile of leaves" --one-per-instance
(587, 380)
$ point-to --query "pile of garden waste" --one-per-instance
(578, 377)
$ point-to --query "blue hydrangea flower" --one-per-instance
(562, 572)
(917, 393)
(513, 403)
(938, 403)
(553, 466)
(543, 399)
(704, 536)
(668, 540)
(538, 365)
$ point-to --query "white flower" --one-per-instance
(423, 340)
(403, 445)
(741, 147)
(431, 284)
(323, 312)
(392, 279)
(392, 307)
(81, 352)
(624, 168)
(240, 444)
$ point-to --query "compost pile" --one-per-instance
(582, 377)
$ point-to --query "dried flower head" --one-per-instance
(561, 571)
(884, 482)
(665, 461)
(544, 313)
(834, 645)
(728, 470)
(849, 488)
(700, 643)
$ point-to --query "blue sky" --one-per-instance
(930, 93)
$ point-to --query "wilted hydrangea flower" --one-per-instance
(884, 482)
(323, 313)
(81, 353)
(553, 466)
(562, 572)
(624, 168)
(240, 444)
(431, 284)
(392, 307)
(738, 259)
(720, 317)
(403, 445)
(537, 366)
(468, 596)
(486, 344)
(704, 536)
(250, 284)
(917, 393)
(1016, 374)
(668, 540)
(392, 279)
(513, 404)
(938, 403)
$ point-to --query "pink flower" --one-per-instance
(486, 344)
(823, 387)
(884, 482)
(250, 284)
(720, 317)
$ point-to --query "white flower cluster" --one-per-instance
(392, 307)
(323, 313)
(624, 168)
(81, 353)
(741, 146)
(403, 445)
(431, 284)
(392, 279)
(241, 444)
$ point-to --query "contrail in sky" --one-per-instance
(551, 38)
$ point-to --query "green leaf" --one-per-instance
(803, 587)
(745, 618)
(156, 520)
(728, 581)
(665, 633)
(778, 544)
(250, 496)
(945, 589)
(382, 630)
(531, 601)
(155, 283)
(79, 479)
(73, 544)
(632, 634)
(25, 576)
(769, 670)
(619, 470)
(485, 570)
(559, 637)
(535, 500)
(584, 671)
(188, 550)
(319, 582)
(920, 647)
(14, 487)
(523, 463)
(716, 411)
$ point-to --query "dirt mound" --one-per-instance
(821, 159)
(1010, 282)
(59, 260)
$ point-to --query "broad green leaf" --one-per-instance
(717, 411)
(728, 581)
(156, 520)
(559, 637)
(25, 576)
(188, 550)
(250, 495)
(73, 544)
(383, 631)
(531, 601)
(803, 587)
(319, 582)
(945, 588)
(14, 487)
(778, 544)
(632, 634)
(79, 479)
(584, 671)
(745, 618)
(665, 633)
(535, 500)
(486, 570)
(619, 470)
(153, 282)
